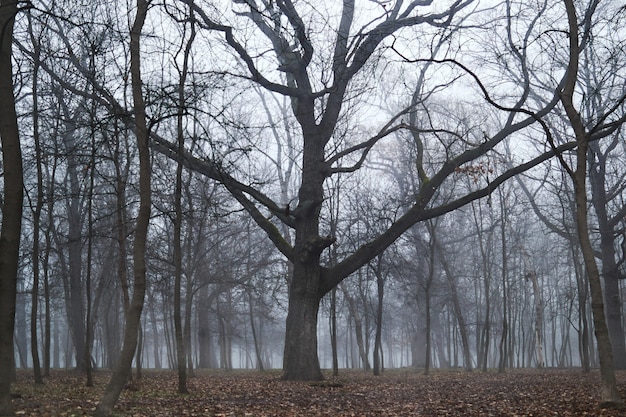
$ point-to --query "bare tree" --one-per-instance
(579, 177)
(311, 280)
(178, 218)
(38, 206)
(133, 315)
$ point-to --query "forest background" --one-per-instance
(402, 183)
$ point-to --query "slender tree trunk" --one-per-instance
(187, 325)
(88, 278)
(532, 277)
(34, 340)
(204, 330)
(12, 207)
(358, 328)
(133, 316)
(155, 335)
(379, 319)
(255, 336)
(121, 177)
(46, 271)
(333, 330)
(181, 353)
(458, 312)
(178, 273)
(76, 316)
(138, 352)
(505, 322)
(429, 281)
(583, 292)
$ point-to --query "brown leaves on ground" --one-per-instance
(354, 393)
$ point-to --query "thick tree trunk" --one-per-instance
(12, 207)
(122, 371)
(301, 361)
(300, 356)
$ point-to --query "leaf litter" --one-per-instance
(545, 392)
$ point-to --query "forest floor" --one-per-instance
(354, 393)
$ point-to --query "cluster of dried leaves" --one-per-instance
(354, 393)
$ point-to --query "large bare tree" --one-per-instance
(318, 105)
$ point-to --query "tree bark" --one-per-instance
(12, 207)
(133, 316)
(300, 355)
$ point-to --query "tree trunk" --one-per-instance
(333, 331)
(36, 220)
(379, 320)
(583, 327)
(610, 272)
(12, 206)
(301, 340)
(255, 336)
(300, 355)
(178, 275)
(133, 316)
(181, 352)
(138, 352)
(458, 312)
(428, 332)
(505, 322)
(358, 328)
(46, 271)
(76, 317)
(187, 325)
(205, 351)
(155, 334)
(88, 277)
(609, 387)
(532, 276)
